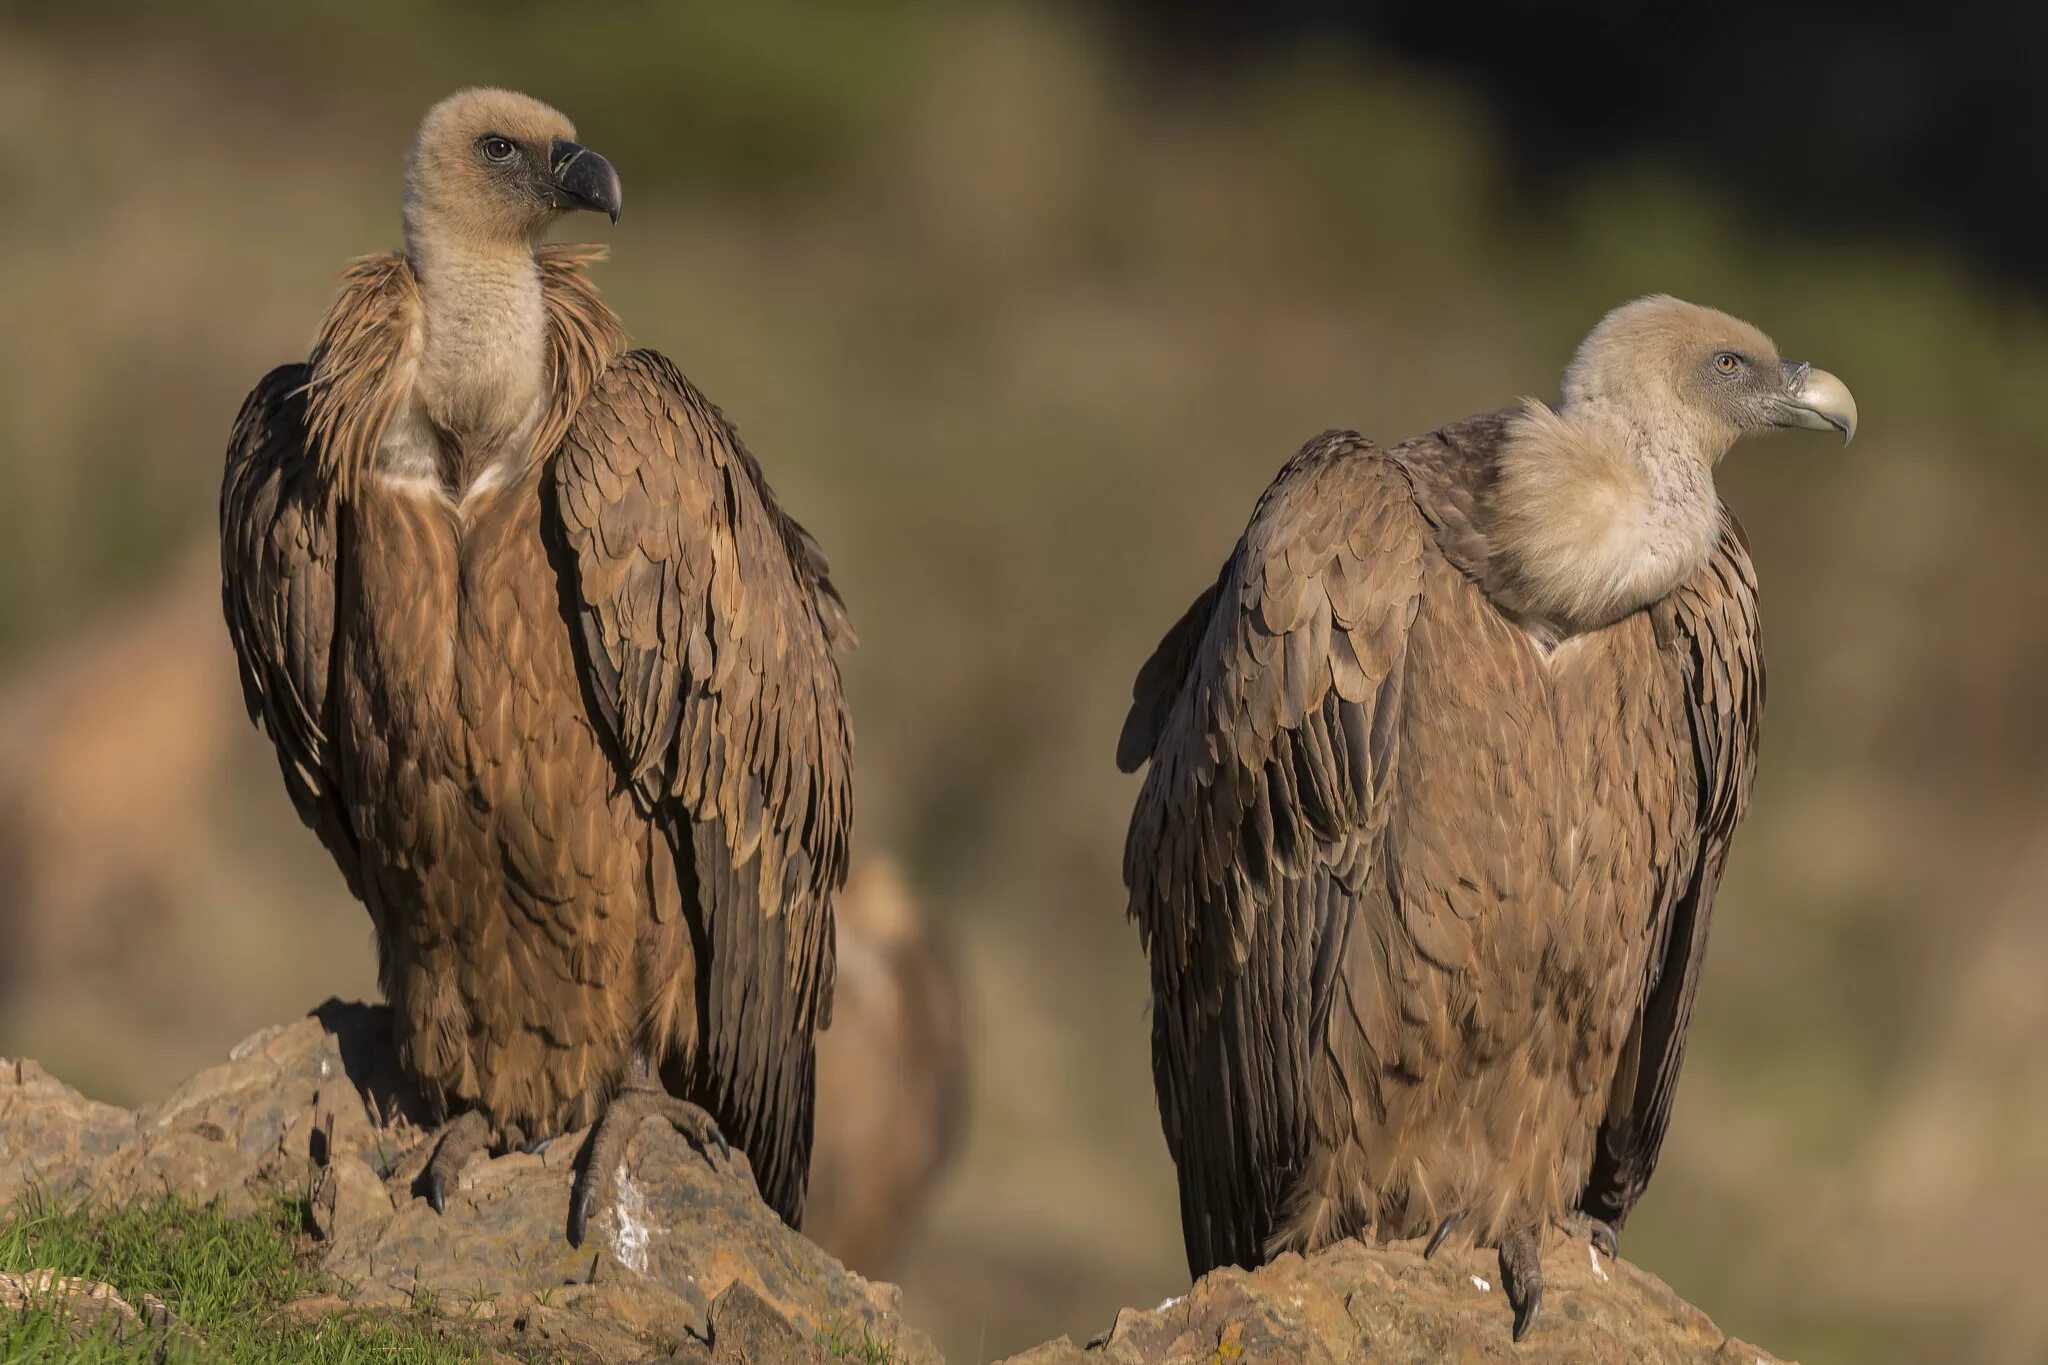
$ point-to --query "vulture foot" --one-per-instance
(1521, 1275)
(460, 1139)
(1443, 1230)
(596, 1181)
(1600, 1233)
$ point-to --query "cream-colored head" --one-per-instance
(492, 168)
(1606, 503)
(1694, 380)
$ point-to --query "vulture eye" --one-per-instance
(496, 149)
(1728, 363)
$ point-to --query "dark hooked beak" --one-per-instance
(583, 180)
(1817, 401)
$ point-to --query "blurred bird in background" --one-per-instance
(892, 1073)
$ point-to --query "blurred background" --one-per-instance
(1022, 305)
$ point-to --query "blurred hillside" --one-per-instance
(1021, 316)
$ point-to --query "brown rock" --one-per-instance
(200, 1169)
(1060, 1352)
(317, 1106)
(50, 1135)
(746, 1328)
(348, 1197)
(1357, 1303)
(91, 1308)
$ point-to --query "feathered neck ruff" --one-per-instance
(1592, 518)
(366, 358)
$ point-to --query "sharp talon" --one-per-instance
(1605, 1240)
(604, 1152)
(1521, 1276)
(1526, 1310)
(459, 1140)
(1598, 1231)
(1436, 1239)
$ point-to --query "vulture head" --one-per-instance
(1606, 502)
(495, 168)
(1702, 376)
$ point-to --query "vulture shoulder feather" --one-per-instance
(706, 620)
(1269, 715)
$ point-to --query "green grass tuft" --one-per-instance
(222, 1277)
(846, 1341)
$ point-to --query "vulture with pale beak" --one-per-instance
(1444, 770)
(551, 673)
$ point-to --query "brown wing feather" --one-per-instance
(1260, 819)
(1159, 681)
(1709, 632)
(277, 555)
(707, 623)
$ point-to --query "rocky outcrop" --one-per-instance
(1355, 1303)
(688, 1265)
(687, 1250)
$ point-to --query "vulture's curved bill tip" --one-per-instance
(1817, 401)
(584, 179)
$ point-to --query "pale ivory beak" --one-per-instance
(1817, 401)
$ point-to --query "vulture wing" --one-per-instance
(1269, 715)
(277, 559)
(707, 621)
(1708, 631)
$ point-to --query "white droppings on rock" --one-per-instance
(1481, 1285)
(1598, 1273)
(1165, 1304)
(632, 1235)
(326, 1068)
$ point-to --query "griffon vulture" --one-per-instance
(551, 673)
(1444, 770)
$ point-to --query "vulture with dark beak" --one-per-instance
(1444, 770)
(551, 673)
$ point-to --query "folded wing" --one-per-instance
(1270, 716)
(277, 554)
(1708, 630)
(707, 622)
